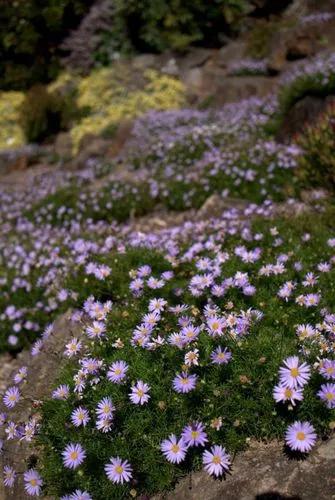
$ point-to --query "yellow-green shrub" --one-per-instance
(11, 134)
(108, 98)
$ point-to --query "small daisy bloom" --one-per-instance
(118, 471)
(117, 372)
(194, 434)
(281, 394)
(80, 416)
(11, 397)
(139, 393)
(173, 449)
(300, 436)
(327, 368)
(220, 356)
(293, 374)
(33, 482)
(184, 382)
(73, 455)
(62, 392)
(327, 394)
(78, 495)
(9, 475)
(105, 409)
(216, 461)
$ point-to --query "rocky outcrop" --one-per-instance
(305, 111)
(265, 472)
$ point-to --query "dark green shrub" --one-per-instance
(160, 24)
(37, 114)
(317, 165)
(44, 112)
(31, 33)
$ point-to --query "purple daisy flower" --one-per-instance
(105, 409)
(80, 416)
(293, 374)
(79, 495)
(9, 476)
(62, 392)
(183, 382)
(118, 471)
(33, 482)
(300, 436)
(327, 394)
(117, 372)
(173, 449)
(11, 397)
(73, 455)
(139, 393)
(104, 424)
(327, 368)
(96, 330)
(216, 461)
(281, 394)
(194, 434)
(220, 356)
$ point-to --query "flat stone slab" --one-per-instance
(265, 472)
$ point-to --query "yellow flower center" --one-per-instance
(194, 434)
(175, 448)
(140, 393)
(301, 436)
(118, 371)
(294, 372)
(330, 370)
(184, 380)
(216, 459)
(33, 482)
(74, 455)
(119, 469)
(330, 396)
(215, 325)
(288, 393)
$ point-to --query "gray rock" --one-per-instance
(171, 67)
(303, 112)
(231, 53)
(19, 158)
(265, 472)
(145, 61)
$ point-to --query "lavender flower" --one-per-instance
(173, 449)
(118, 471)
(216, 461)
(139, 393)
(73, 455)
(300, 436)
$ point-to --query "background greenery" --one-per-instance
(31, 44)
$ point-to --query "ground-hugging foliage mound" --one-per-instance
(220, 306)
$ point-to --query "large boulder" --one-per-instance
(304, 112)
